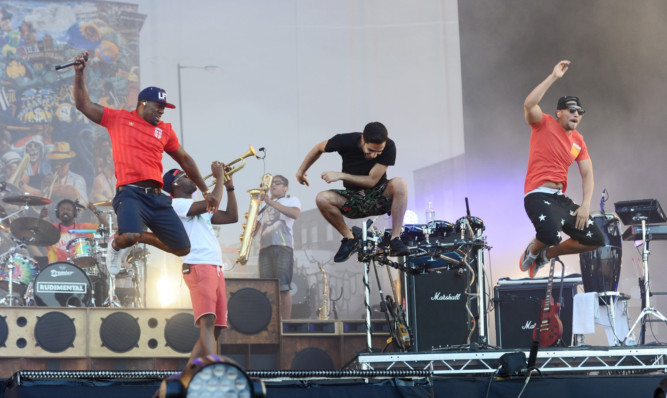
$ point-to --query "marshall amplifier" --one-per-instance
(436, 307)
(518, 303)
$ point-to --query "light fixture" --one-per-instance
(212, 376)
(207, 68)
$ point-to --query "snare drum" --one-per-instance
(81, 252)
(62, 285)
(601, 268)
(24, 271)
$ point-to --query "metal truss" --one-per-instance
(553, 360)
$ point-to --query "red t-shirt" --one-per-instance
(551, 153)
(137, 145)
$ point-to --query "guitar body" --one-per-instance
(551, 328)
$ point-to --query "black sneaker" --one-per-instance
(347, 248)
(398, 248)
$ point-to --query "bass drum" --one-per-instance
(601, 268)
(62, 285)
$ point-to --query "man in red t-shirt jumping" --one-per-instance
(554, 145)
(138, 139)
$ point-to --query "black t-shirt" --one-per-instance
(354, 161)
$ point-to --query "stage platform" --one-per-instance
(570, 360)
(564, 372)
(117, 384)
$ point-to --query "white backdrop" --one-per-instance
(293, 74)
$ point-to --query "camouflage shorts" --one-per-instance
(365, 202)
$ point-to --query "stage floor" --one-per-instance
(436, 386)
(568, 372)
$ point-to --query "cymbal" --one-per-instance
(28, 200)
(104, 203)
(35, 231)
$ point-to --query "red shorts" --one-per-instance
(206, 283)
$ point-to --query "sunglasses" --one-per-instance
(573, 110)
(178, 178)
(277, 183)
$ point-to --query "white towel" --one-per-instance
(585, 309)
(621, 321)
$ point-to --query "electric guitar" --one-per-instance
(550, 329)
(401, 334)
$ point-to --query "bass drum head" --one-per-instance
(62, 284)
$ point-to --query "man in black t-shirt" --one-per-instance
(366, 157)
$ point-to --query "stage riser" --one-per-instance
(50, 332)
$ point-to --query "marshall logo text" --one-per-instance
(438, 296)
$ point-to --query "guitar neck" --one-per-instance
(547, 300)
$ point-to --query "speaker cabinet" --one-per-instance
(253, 316)
(436, 306)
(310, 352)
(43, 332)
(518, 309)
(118, 332)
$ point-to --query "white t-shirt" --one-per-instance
(277, 227)
(205, 248)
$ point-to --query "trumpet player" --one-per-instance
(276, 254)
(138, 139)
(202, 267)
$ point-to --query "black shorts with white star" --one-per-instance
(553, 213)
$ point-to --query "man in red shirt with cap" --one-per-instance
(138, 139)
(555, 144)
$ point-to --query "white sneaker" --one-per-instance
(115, 258)
(527, 259)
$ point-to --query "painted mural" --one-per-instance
(48, 148)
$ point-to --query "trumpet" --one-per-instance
(250, 152)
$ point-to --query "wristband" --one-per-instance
(230, 189)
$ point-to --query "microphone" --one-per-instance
(71, 63)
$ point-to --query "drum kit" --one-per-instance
(80, 281)
(437, 244)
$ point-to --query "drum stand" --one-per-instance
(647, 310)
(10, 300)
(111, 300)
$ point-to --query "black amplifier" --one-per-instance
(518, 304)
(436, 306)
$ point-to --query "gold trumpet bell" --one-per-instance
(249, 152)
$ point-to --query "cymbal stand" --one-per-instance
(647, 310)
(111, 300)
(21, 210)
(10, 300)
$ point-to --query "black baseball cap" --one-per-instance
(155, 94)
(562, 101)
